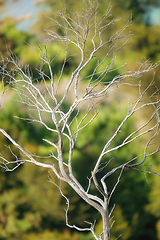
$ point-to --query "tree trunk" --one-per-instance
(106, 225)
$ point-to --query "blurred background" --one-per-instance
(31, 208)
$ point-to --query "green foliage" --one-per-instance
(12, 38)
(146, 41)
(65, 235)
(153, 206)
(21, 130)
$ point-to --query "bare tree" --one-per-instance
(47, 95)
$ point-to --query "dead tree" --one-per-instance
(79, 31)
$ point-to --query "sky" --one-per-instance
(153, 13)
(23, 10)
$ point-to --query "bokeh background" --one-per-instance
(31, 208)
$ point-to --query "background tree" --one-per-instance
(49, 94)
